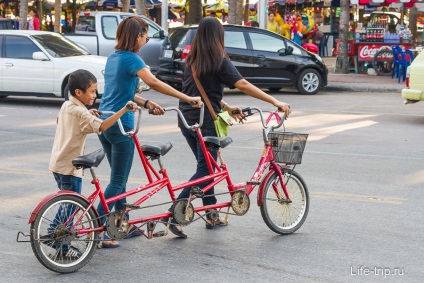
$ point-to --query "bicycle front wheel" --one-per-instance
(383, 62)
(280, 215)
(57, 245)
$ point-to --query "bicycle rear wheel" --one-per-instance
(281, 216)
(383, 62)
(55, 243)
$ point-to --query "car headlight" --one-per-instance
(318, 57)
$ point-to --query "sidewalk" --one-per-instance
(359, 82)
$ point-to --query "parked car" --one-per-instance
(262, 57)
(96, 32)
(414, 90)
(39, 63)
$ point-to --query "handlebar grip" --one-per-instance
(150, 111)
(193, 102)
(129, 106)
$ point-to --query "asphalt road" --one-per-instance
(363, 164)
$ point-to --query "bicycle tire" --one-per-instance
(285, 218)
(382, 63)
(50, 236)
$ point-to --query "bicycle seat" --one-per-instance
(217, 141)
(156, 151)
(89, 160)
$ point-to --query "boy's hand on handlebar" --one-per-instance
(157, 109)
(195, 102)
(236, 113)
(94, 112)
(283, 107)
(131, 106)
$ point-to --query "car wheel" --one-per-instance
(274, 88)
(309, 81)
(66, 92)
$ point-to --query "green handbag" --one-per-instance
(222, 120)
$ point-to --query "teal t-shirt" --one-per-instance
(120, 84)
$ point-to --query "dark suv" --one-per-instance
(262, 57)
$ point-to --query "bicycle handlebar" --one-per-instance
(180, 114)
(280, 119)
(121, 127)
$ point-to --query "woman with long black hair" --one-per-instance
(214, 70)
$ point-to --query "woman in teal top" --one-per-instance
(123, 70)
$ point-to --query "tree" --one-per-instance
(140, 6)
(194, 10)
(125, 6)
(343, 62)
(235, 11)
(23, 14)
(57, 16)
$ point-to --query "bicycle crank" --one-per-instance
(117, 225)
(240, 203)
(183, 212)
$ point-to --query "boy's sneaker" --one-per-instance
(72, 252)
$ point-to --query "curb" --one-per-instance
(363, 88)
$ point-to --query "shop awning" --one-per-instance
(407, 3)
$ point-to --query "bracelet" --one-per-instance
(145, 103)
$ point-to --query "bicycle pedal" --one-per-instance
(253, 183)
(159, 234)
(196, 191)
(127, 205)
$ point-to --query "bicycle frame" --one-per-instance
(158, 180)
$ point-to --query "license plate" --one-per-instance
(168, 54)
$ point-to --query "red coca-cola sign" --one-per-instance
(366, 52)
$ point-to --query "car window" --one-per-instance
(109, 26)
(296, 49)
(235, 39)
(86, 23)
(19, 47)
(264, 42)
(179, 37)
(59, 46)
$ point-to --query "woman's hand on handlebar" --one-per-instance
(283, 107)
(156, 108)
(195, 102)
(131, 106)
(95, 112)
(236, 113)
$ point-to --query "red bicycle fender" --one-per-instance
(262, 186)
(52, 196)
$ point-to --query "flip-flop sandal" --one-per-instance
(219, 223)
(105, 245)
(173, 228)
(134, 232)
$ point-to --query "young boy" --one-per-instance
(74, 122)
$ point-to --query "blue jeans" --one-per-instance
(65, 182)
(119, 151)
(202, 169)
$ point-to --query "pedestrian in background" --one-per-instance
(34, 22)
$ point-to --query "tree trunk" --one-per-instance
(342, 62)
(232, 11)
(74, 14)
(413, 16)
(57, 14)
(246, 12)
(125, 6)
(140, 6)
(239, 13)
(23, 14)
(194, 9)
